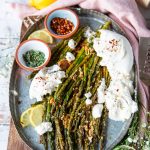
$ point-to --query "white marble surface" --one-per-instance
(9, 38)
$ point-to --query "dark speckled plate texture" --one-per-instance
(115, 130)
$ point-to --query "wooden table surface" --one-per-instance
(9, 38)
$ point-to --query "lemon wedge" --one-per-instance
(36, 115)
(40, 4)
(41, 35)
(25, 119)
(31, 2)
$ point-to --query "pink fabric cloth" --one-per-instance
(125, 13)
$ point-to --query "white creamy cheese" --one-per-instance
(43, 128)
(119, 101)
(46, 81)
(115, 50)
(70, 57)
(117, 56)
(101, 91)
(97, 110)
(72, 44)
(53, 68)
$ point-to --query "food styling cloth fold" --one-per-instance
(125, 13)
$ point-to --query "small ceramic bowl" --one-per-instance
(62, 13)
(36, 45)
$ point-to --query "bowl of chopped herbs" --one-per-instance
(33, 55)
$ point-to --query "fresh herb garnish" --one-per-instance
(34, 58)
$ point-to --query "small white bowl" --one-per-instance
(62, 13)
(36, 45)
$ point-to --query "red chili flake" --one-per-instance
(40, 78)
(61, 26)
(113, 42)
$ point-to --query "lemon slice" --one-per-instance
(36, 115)
(42, 35)
(40, 4)
(24, 119)
(31, 3)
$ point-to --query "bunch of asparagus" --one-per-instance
(72, 121)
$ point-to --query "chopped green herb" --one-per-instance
(34, 58)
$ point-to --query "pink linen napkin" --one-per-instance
(125, 13)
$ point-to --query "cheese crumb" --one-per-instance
(97, 110)
(88, 95)
(72, 44)
(88, 101)
(43, 128)
(14, 92)
(70, 57)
